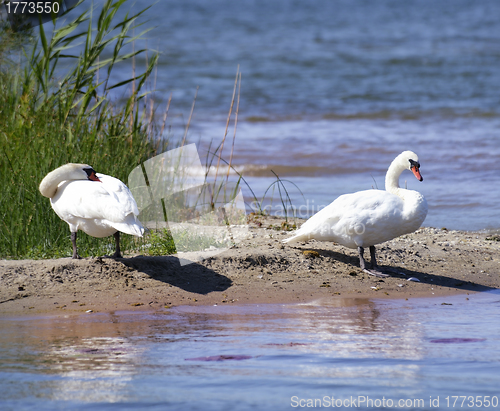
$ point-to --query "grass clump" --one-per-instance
(50, 115)
(160, 242)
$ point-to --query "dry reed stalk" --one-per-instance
(235, 124)
(165, 115)
(133, 85)
(146, 84)
(150, 120)
(151, 107)
(227, 125)
(97, 81)
(190, 116)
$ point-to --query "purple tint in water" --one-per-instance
(290, 344)
(221, 358)
(456, 340)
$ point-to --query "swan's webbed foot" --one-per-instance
(374, 267)
(117, 253)
(375, 273)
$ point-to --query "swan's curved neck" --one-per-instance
(48, 186)
(392, 177)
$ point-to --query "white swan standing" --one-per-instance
(370, 217)
(97, 204)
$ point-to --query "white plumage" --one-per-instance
(370, 217)
(97, 204)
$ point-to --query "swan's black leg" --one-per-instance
(75, 251)
(374, 259)
(117, 253)
(362, 263)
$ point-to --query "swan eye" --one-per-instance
(414, 163)
(89, 171)
(91, 174)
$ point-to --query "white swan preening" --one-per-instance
(97, 204)
(370, 217)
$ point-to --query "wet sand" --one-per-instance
(260, 269)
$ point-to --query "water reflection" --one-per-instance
(264, 350)
(367, 330)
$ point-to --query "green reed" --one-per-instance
(50, 116)
(52, 113)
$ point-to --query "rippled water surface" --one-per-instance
(332, 91)
(255, 356)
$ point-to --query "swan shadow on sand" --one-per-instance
(404, 273)
(194, 277)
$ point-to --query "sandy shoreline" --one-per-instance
(260, 269)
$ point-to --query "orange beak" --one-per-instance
(93, 177)
(416, 172)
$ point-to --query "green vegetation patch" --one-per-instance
(55, 108)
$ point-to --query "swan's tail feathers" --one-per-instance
(297, 238)
(130, 226)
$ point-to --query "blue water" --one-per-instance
(271, 357)
(331, 58)
(332, 91)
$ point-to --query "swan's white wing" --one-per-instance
(351, 217)
(89, 204)
(322, 221)
(118, 191)
(89, 200)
